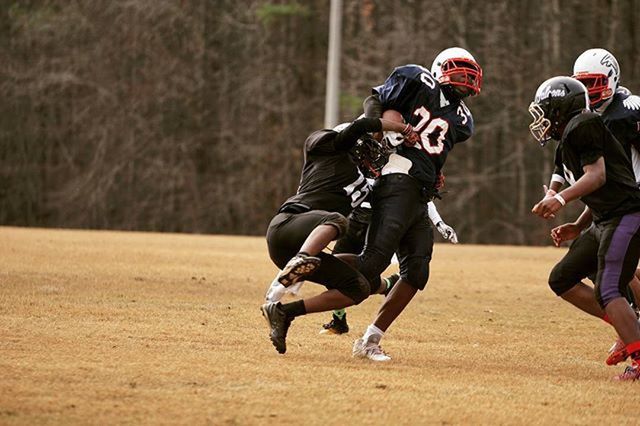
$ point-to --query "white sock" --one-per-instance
(373, 334)
(275, 292)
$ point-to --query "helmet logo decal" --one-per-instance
(548, 92)
(608, 61)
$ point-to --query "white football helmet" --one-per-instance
(457, 67)
(598, 70)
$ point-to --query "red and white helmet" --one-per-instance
(598, 70)
(455, 66)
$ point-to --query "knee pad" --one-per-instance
(338, 221)
(417, 272)
(559, 282)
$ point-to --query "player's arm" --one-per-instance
(372, 107)
(447, 232)
(588, 141)
(570, 231)
(401, 86)
(348, 137)
(594, 177)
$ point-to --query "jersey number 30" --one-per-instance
(432, 131)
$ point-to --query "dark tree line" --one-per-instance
(189, 115)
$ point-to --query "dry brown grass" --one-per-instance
(113, 327)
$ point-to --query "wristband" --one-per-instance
(560, 199)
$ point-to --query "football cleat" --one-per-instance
(630, 374)
(297, 268)
(617, 353)
(369, 349)
(336, 326)
(279, 324)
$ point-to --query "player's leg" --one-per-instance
(415, 253)
(345, 287)
(396, 200)
(351, 242)
(617, 260)
(287, 233)
(306, 260)
(565, 279)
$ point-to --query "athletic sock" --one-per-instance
(373, 334)
(389, 282)
(340, 313)
(294, 309)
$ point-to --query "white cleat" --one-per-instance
(275, 292)
(369, 349)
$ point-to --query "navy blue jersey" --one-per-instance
(584, 141)
(440, 120)
(330, 179)
(622, 118)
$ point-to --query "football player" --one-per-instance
(431, 101)
(599, 71)
(600, 174)
(330, 186)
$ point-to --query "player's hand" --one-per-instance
(565, 232)
(447, 232)
(548, 193)
(440, 181)
(411, 138)
(546, 208)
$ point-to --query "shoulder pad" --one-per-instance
(632, 102)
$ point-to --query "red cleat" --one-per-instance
(617, 353)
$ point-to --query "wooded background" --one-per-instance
(189, 115)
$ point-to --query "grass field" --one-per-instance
(140, 328)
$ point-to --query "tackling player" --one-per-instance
(600, 174)
(330, 186)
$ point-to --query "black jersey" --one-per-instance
(330, 180)
(586, 139)
(622, 118)
(441, 122)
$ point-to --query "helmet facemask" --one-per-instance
(540, 127)
(463, 74)
(597, 86)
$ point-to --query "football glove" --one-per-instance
(447, 232)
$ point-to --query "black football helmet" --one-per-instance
(370, 156)
(557, 100)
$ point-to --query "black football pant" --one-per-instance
(607, 253)
(353, 240)
(399, 223)
(288, 231)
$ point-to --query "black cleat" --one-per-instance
(279, 324)
(336, 326)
